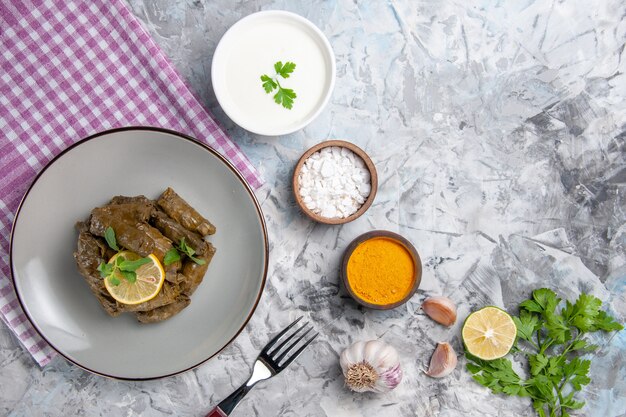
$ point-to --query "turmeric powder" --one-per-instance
(381, 271)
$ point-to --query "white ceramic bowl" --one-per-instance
(250, 48)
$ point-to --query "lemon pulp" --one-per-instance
(150, 278)
(489, 333)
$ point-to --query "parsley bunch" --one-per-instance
(284, 96)
(552, 341)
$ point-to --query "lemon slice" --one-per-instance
(489, 333)
(149, 280)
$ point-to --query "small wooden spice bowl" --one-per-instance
(417, 263)
(368, 163)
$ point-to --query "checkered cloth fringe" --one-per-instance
(71, 69)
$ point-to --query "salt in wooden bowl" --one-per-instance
(358, 152)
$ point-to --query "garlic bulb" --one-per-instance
(371, 366)
(440, 309)
(442, 362)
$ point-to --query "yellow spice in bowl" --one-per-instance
(381, 271)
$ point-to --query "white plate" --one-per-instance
(133, 161)
(250, 48)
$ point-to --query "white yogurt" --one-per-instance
(250, 49)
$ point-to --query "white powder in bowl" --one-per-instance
(334, 182)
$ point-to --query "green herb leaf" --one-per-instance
(579, 345)
(555, 325)
(184, 248)
(568, 311)
(189, 251)
(588, 305)
(480, 379)
(569, 402)
(554, 370)
(539, 407)
(531, 306)
(114, 281)
(506, 376)
(605, 322)
(526, 324)
(546, 298)
(268, 83)
(197, 260)
(498, 375)
(577, 370)
(132, 266)
(285, 97)
(109, 236)
(583, 313)
(472, 368)
(278, 66)
(171, 256)
(105, 269)
(284, 70)
(512, 389)
(543, 387)
(129, 276)
(537, 363)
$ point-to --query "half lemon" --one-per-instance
(150, 278)
(489, 333)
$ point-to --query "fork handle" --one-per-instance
(216, 412)
(224, 408)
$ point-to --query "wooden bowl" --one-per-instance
(368, 163)
(417, 278)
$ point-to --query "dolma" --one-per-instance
(165, 312)
(138, 237)
(142, 227)
(88, 257)
(168, 294)
(176, 232)
(174, 277)
(178, 209)
(89, 254)
(122, 199)
(194, 273)
(128, 212)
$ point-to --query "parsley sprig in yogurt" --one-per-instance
(284, 96)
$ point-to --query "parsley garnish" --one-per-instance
(109, 236)
(284, 96)
(551, 341)
(121, 267)
(173, 255)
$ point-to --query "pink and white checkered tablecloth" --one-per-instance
(69, 69)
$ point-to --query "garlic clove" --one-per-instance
(380, 354)
(443, 361)
(352, 355)
(440, 309)
(389, 379)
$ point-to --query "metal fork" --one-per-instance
(269, 363)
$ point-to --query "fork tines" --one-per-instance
(281, 356)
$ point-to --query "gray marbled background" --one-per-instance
(498, 132)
